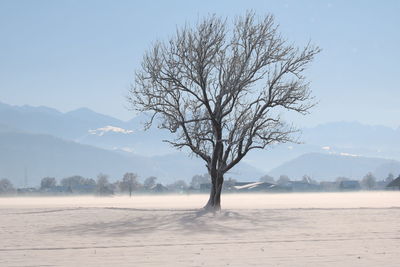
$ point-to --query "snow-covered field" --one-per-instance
(310, 229)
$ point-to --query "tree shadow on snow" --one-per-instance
(125, 221)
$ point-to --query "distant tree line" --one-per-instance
(102, 185)
(130, 184)
(368, 182)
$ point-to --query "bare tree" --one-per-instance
(6, 186)
(103, 185)
(79, 184)
(368, 181)
(129, 183)
(47, 183)
(221, 90)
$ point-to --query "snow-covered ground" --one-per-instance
(310, 229)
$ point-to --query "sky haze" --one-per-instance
(72, 54)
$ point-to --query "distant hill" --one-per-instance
(351, 138)
(328, 167)
(355, 138)
(85, 126)
(44, 155)
(45, 120)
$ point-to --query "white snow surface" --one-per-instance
(293, 229)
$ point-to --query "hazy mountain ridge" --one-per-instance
(336, 137)
(45, 155)
(70, 125)
(42, 155)
(356, 138)
(90, 128)
(77, 125)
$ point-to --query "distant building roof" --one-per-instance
(252, 186)
(159, 188)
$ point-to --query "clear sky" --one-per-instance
(71, 54)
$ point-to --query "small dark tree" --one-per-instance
(103, 186)
(221, 90)
(129, 183)
(72, 182)
(47, 183)
(79, 184)
(368, 181)
(6, 186)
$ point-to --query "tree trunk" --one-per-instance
(214, 202)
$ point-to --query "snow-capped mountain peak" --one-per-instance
(109, 128)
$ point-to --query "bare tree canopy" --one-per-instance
(48, 182)
(221, 89)
(129, 183)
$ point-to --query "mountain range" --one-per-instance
(38, 141)
(42, 141)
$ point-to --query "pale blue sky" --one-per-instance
(70, 54)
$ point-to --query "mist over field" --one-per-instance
(347, 200)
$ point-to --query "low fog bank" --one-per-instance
(296, 229)
(375, 199)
